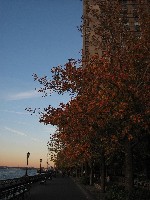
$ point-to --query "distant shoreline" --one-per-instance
(6, 167)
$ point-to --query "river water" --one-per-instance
(11, 173)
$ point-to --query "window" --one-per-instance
(86, 38)
(86, 43)
(127, 26)
(125, 20)
(134, 7)
(103, 46)
(135, 14)
(124, 1)
(87, 30)
(137, 26)
(136, 19)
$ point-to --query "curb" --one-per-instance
(86, 192)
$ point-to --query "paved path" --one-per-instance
(58, 189)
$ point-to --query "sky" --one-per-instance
(35, 35)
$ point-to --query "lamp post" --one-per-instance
(28, 154)
(40, 165)
(47, 161)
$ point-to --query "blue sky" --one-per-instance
(35, 35)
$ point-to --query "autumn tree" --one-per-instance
(110, 25)
(109, 105)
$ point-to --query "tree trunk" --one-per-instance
(129, 167)
(103, 173)
(82, 170)
(76, 172)
(91, 176)
(86, 169)
(91, 172)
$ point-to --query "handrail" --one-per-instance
(10, 183)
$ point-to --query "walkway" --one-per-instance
(58, 189)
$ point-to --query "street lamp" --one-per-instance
(28, 154)
(40, 165)
(47, 161)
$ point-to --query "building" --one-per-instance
(108, 26)
(98, 31)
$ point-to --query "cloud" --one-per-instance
(15, 131)
(15, 112)
(24, 95)
(50, 129)
(37, 140)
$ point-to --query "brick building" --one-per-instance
(94, 12)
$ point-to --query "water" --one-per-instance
(11, 173)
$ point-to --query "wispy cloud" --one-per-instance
(15, 131)
(15, 112)
(20, 133)
(37, 140)
(24, 95)
(50, 129)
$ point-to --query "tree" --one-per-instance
(127, 75)
(109, 105)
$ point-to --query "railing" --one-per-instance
(19, 187)
(15, 192)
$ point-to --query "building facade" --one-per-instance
(98, 28)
